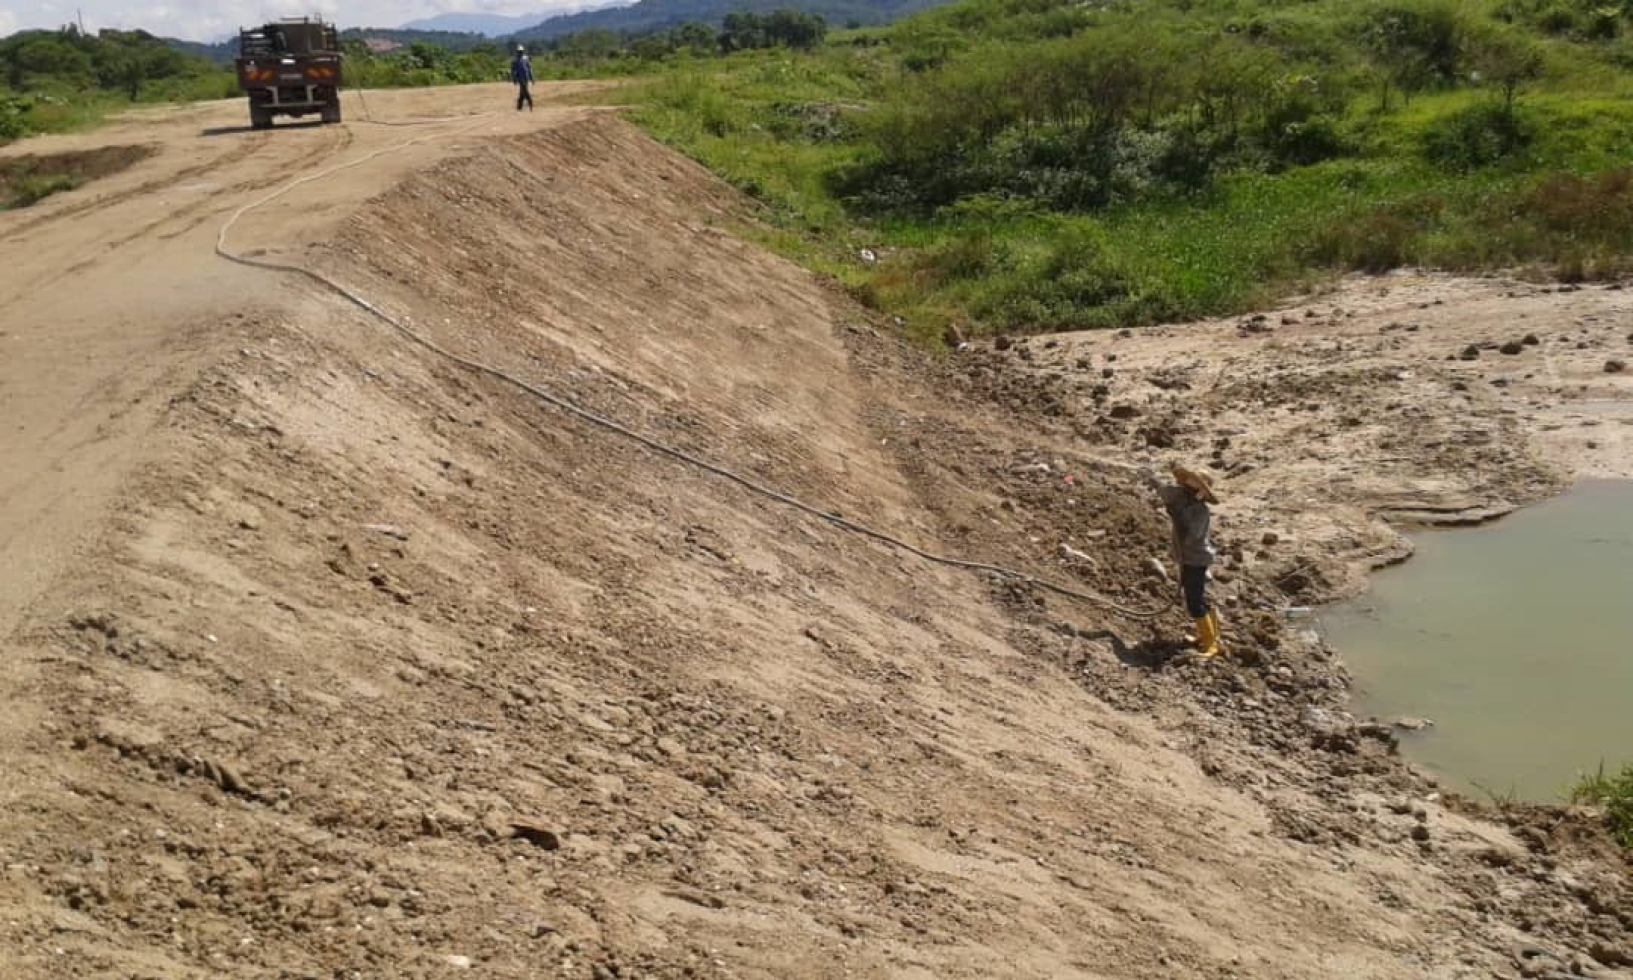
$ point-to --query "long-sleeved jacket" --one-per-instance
(1191, 518)
(521, 70)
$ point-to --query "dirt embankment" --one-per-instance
(379, 668)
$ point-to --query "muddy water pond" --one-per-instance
(1515, 638)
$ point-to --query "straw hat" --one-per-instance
(1196, 481)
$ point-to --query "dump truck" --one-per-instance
(290, 68)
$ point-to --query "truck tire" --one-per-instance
(260, 118)
(331, 112)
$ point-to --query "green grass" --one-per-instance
(971, 233)
(31, 189)
(1615, 794)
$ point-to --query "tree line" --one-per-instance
(113, 61)
(739, 31)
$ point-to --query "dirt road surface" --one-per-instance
(324, 656)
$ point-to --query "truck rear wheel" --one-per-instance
(331, 112)
(260, 118)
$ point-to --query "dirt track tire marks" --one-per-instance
(232, 156)
(202, 209)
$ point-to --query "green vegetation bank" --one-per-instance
(1009, 165)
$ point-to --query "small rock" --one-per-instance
(1003, 342)
(1413, 724)
(1530, 340)
(670, 747)
(1155, 568)
(1073, 555)
(1615, 366)
(1420, 832)
(539, 837)
(1610, 955)
(1270, 537)
(457, 962)
(1470, 353)
(1512, 347)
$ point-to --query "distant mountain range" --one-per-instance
(460, 32)
(222, 52)
(497, 25)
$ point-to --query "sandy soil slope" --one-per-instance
(1403, 399)
(329, 658)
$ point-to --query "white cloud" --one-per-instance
(212, 20)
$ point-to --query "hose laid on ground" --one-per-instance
(610, 425)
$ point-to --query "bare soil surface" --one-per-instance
(324, 656)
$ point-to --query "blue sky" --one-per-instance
(212, 20)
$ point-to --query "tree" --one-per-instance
(591, 45)
(47, 55)
(797, 30)
(1415, 47)
(742, 32)
(1507, 62)
(698, 37)
(653, 47)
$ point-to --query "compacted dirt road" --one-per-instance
(322, 655)
(109, 290)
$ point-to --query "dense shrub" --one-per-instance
(1476, 137)
(14, 111)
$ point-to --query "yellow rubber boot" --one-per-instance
(1207, 635)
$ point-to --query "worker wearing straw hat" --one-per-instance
(1186, 500)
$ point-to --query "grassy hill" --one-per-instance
(1038, 164)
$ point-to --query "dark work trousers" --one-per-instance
(523, 95)
(1194, 580)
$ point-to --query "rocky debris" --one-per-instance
(1512, 347)
(223, 775)
(1076, 556)
(1256, 324)
(540, 837)
(1410, 724)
